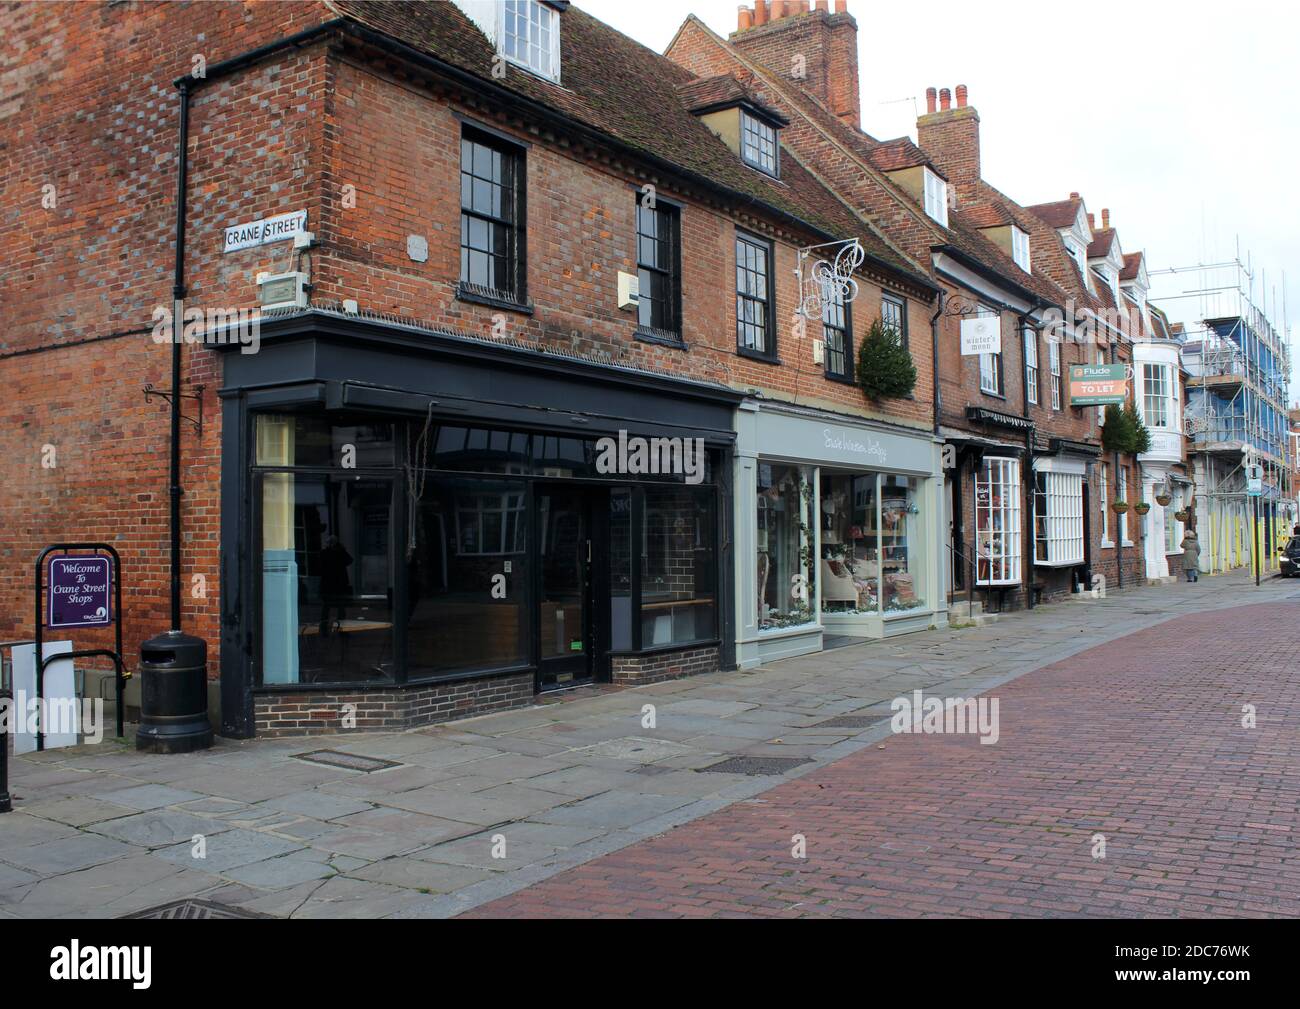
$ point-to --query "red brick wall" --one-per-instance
(91, 110)
(287, 134)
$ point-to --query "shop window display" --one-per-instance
(784, 559)
(849, 569)
(900, 536)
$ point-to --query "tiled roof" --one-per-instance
(1061, 214)
(988, 215)
(618, 87)
(722, 90)
(892, 155)
(1132, 266)
(1101, 241)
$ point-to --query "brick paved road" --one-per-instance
(1140, 740)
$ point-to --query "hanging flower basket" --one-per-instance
(1119, 507)
(1181, 515)
(1142, 507)
(1163, 500)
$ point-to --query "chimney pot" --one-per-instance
(761, 12)
(1105, 217)
(822, 5)
(931, 99)
(841, 6)
(1074, 196)
(744, 18)
(945, 99)
(961, 96)
(1092, 223)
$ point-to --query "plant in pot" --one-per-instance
(1142, 507)
(1118, 506)
(1164, 500)
(1182, 515)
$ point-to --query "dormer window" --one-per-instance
(530, 36)
(1077, 255)
(758, 146)
(936, 197)
(1020, 248)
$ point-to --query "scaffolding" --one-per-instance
(1238, 368)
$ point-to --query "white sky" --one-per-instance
(1182, 117)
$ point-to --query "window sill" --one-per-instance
(842, 379)
(755, 355)
(1128, 543)
(993, 395)
(1107, 544)
(662, 337)
(477, 297)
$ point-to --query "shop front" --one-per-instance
(835, 531)
(418, 527)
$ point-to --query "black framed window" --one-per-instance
(658, 260)
(758, 146)
(491, 217)
(755, 311)
(837, 332)
(893, 315)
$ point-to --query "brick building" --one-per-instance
(395, 507)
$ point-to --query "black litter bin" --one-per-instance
(174, 694)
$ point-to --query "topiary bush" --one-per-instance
(885, 368)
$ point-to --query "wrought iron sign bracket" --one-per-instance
(166, 394)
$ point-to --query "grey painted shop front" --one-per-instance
(836, 530)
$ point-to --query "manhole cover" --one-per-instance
(851, 721)
(194, 909)
(348, 761)
(757, 765)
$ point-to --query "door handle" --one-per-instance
(588, 551)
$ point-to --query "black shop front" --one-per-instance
(418, 526)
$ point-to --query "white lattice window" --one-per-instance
(1031, 365)
(1058, 518)
(1104, 497)
(1054, 358)
(1155, 395)
(1020, 248)
(1122, 492)
(530, 36)
(936, 197)
(997, 522)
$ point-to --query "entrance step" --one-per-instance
(962, 612)
(1162, 580)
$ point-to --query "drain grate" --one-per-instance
(347, 761)
(757, 765)
(851, 721)
(194, 909)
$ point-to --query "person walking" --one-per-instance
(1191, 555)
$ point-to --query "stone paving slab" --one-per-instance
(289, 838)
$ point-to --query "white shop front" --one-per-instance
(836, 531)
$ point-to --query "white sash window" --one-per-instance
(997, 522)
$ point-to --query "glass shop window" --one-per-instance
(468, 577)
(326, 582)
(997, 522)
(785, 545)
(678, 566)
(849, 568)
(901, 566)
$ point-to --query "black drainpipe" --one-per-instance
(934, 351)
(178, 299)
(185, 85)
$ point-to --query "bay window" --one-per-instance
(1058, 518)
(997, 522)
(1155, 395)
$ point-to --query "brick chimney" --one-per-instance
(1105, 218)
(951, 135)
(793, 37)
